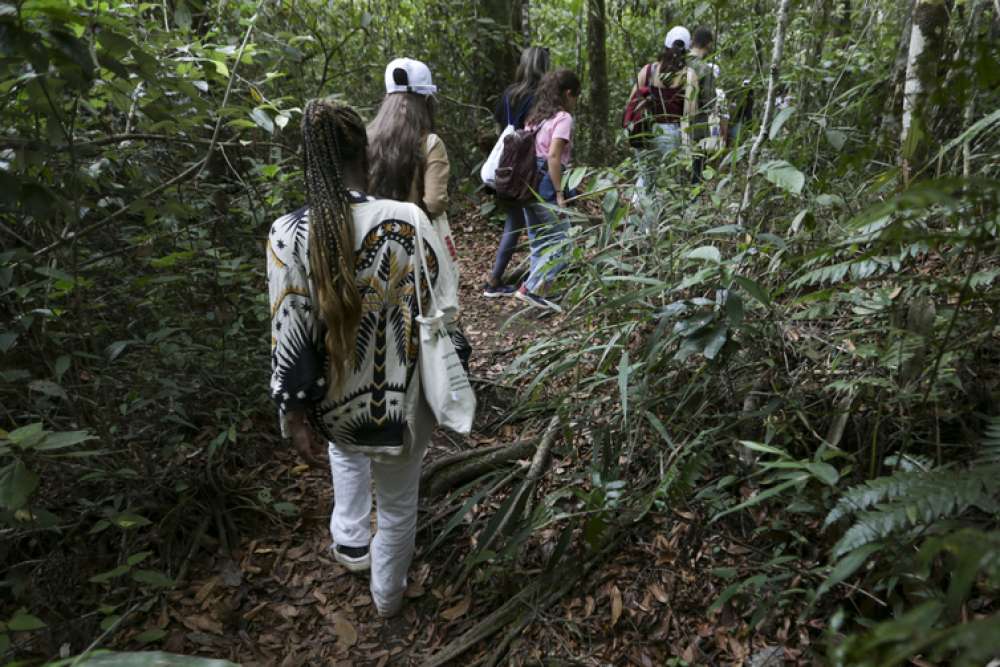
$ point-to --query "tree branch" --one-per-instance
(117, 214)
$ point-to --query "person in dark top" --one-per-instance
(512, 109)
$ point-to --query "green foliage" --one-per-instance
(912, 500)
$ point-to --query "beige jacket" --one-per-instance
(435, 177)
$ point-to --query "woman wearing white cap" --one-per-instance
(666, 80)
(407, 161)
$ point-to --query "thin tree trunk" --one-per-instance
(598, 76)
(897, 79)
(930, 18)
(970, 105)
(765, 121)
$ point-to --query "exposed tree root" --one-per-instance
(457, 469)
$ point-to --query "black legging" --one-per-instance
(512, 229)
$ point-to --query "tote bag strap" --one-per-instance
(421, 268)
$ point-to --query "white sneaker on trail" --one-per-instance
(355, 559)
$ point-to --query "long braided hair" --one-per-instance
(333, 134)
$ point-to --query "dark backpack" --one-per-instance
(517, 175)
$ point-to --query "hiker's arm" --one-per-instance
(555, 168)
(436, 180)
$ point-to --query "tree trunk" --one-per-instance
(598, 75)
(930, 20)
(890, 119)
(497, 50)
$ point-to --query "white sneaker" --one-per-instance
(355, 559)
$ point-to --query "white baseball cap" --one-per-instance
(678, 34)
(405, 75)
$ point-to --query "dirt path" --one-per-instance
(281, 599)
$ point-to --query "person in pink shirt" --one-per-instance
(555, 102)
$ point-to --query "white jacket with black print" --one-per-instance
(381, 400)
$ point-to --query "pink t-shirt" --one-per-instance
(559, 126)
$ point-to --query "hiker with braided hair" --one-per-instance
(344, 345)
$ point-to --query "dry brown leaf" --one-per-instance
(616, 605)
(206, 590)
(203, 622)
(361, 601)
(458, 610)
(285, 610)
(588, 608)
(658, 592)
(347, 636)
(318, 594)
(249, 616)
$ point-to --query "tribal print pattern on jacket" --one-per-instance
(370, 411)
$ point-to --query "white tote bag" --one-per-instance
(446, 386)
(489, 171)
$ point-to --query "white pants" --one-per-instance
(396, 488)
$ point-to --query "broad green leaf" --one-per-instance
(836, 138)
(182, 16)
(754, 290)
(220, 68)
(784, 175)
(824, 472)
(109, 575)
(47, 387)
(22, 621)
(779, 120)
(263, 120)
(716, 340)
(115, 349)
(152, 578)
(16, 484)
(151, 635)
(708, 253)
(61, 366)
(27, 436)
(128, 520)
(63, 439)
(7, 340)
(764, 449)
(137, 558)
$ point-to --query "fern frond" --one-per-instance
(989, 444)
(907, 500)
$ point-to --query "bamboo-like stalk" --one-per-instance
(772, 84)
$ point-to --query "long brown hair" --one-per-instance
(549, 96)
(396, 144)
(333, 135)
(530, 70)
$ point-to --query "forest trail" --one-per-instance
(282, 600)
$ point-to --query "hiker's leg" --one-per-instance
(350, 523)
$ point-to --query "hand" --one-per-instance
(304, 439)
(561, 199)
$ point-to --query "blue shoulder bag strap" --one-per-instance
(506, 108)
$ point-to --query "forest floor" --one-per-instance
(279, 598)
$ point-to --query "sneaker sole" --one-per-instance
(362, 564)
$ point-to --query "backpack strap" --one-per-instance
(506, 109)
